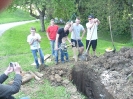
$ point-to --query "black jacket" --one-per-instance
(6, 91)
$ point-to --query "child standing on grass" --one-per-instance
(63, 47)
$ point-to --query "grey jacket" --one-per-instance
(6, 91)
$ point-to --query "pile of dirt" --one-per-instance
(115, 71)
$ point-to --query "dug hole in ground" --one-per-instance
(109, 76)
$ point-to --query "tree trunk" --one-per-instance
(42, 22)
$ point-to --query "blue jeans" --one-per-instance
(56, 53)
(66, 55)
(52, 43)
(34, 52)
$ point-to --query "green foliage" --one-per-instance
(14, 16)
(63, 8)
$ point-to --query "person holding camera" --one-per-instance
(92, 37)
(6, 91)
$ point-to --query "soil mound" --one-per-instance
(113, 70)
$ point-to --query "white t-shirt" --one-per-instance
(76, 30)
(92, 30)
(35, 44)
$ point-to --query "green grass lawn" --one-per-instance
(14, 16)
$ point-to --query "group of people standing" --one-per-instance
(58, 38)
(56, 35)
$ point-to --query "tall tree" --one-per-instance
(52, 8)
(36, 9)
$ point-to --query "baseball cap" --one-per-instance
(90, 16)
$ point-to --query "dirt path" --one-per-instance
(6, 26)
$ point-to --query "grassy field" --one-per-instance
(14, 47)
(14, 16)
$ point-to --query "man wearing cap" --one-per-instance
(76, 38)
(92, 37)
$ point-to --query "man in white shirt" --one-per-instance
(92, 37)
(76, 38)
(34, 40)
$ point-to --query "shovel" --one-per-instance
(41, 65)
(85, 54)
(111, 36)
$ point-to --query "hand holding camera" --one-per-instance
(16, 68)
(13, 66)
(35, 39)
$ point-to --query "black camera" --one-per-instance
(11, 64)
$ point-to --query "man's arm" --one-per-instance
(83, 33)
(68, 40)
(29, 40)
(3, 77)
(97, 21)
(47, 33)
(71, 28)
(56, 41)
(90, 25)
(38, 38)
(8, 90)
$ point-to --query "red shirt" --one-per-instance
(52, 31)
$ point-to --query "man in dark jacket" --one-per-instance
(6, 91)
(62, 32)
